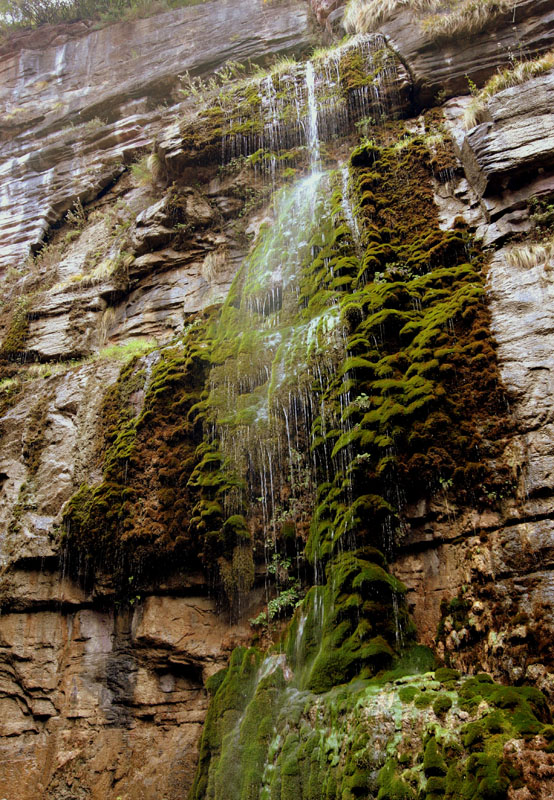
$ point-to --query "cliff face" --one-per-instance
(157, 487)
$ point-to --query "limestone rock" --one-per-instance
(122, 697)
(517, 139)
(39, 482)
(78, 97)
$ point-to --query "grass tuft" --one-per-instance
(439, 18)
(527, 256)
(514, 75)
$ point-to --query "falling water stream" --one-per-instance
(272, 349)
(262, 395)
(304, 104)
(276, 353)
(313, 132)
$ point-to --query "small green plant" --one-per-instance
(259, 621)
(93, 125)
(146, 171)
(199, 88)
(542, 215)
(285, 601)
(76, 216)
(278, 564)
(287, 598)
(472, 86)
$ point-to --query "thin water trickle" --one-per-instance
(260, 415)
(347, 207)
(313, 132)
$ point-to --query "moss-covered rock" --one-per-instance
(138, 520)
(351, 742)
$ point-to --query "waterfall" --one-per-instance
(270, 350)
(299, 105)
(313, 132)
(280, 396)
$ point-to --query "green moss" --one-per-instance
(324, 745)
(391, 787)
(236, 527)
(350, 624)
(433, 762)
(445, 674)
(13, 343)
(416, 296)
(139, 518)
(424, 699)
(237, 574)
(442, 705)
(408, 693)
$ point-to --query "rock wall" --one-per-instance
(98, 700)
(73, 111)
(501, 563)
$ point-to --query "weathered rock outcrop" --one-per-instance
(443, 63)
(73, 111)
(104, 703)
(499, 566)
(514, 141)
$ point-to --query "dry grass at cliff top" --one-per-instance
(439, 18)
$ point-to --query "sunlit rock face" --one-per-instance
(212, 451)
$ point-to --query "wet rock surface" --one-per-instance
(68, 126)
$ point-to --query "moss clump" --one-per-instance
(237, 574)
(234, 689)
(34, 437)
(13, 344)
(442, 705)
(446, 675)
(417, 327)
(138, 519)
(349, 624)
(425, 699)
(408, 693)
(391, 786)
(433, 762)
